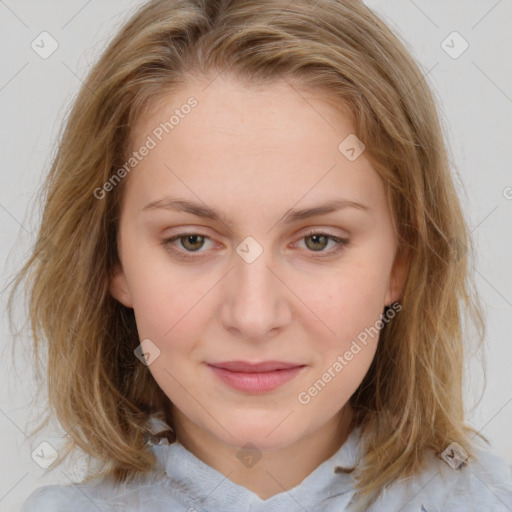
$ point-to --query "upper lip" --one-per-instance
(247, 366)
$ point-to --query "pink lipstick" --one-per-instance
(255, 377)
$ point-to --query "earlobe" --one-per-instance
(118, 287)
(397, 279)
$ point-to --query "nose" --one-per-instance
(256, 304)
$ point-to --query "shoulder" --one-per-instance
(57, 498)
(99, 494)
(482, 484)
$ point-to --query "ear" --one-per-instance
(397, 277)
(118, 287)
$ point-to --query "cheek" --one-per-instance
(340, 377)
(168, 303)
(350, 308)
(344, 304)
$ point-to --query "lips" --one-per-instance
(255, 378)
(246, 366)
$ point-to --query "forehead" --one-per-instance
(246, 116)
(272, 144)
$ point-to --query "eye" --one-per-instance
(316, 241)
(190, 242)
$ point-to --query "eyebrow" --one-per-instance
(292, 215)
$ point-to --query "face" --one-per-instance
(220, 267)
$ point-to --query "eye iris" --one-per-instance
(193, 240)
(316, 238)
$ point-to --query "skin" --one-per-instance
(255, 153)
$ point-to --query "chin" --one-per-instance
(266, 435)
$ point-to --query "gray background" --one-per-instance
(474, 91)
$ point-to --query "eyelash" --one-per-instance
(341, 244)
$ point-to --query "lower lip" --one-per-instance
(256, 382)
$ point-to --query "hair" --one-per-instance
(411, 400)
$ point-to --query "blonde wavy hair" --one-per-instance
(411, 400)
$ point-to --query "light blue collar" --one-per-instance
(201, 487)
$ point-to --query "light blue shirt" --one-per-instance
(184, 483)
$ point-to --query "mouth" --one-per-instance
(255, 377)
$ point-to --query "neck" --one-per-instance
(279, 469)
